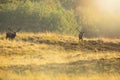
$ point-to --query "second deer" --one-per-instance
(81, 34)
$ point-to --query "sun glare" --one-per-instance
(109, 5)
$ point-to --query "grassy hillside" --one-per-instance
(37, 41)
(54, 56)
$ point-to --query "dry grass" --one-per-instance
(42, 76)
(32, 43)
(53, 56)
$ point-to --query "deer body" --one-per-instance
(81, 34)
(10, 35)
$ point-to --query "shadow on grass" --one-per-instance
(91, 45)
(78, 67)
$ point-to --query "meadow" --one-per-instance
(55, 56)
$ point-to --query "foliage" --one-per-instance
(58, 16)
(43, 15)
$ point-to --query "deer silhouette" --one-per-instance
(81, 34)
(11, 34)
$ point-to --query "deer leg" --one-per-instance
(6, 37)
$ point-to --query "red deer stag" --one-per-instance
(81, 34)
(11, 34)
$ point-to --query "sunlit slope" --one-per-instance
(53, 56)
(55, 48)
(44, 43)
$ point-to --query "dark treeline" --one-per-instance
(62, 16)
(36, 15)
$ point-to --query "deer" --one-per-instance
(81, 34)
(11, 34)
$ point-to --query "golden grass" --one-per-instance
(53, 48)
(42, 76)
(34, 41)
(113, 40)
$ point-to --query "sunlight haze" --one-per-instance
(108, 5)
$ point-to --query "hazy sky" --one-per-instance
(104, 14)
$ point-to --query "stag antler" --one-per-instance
(10, 29)
(18, 29)
(77, 29)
